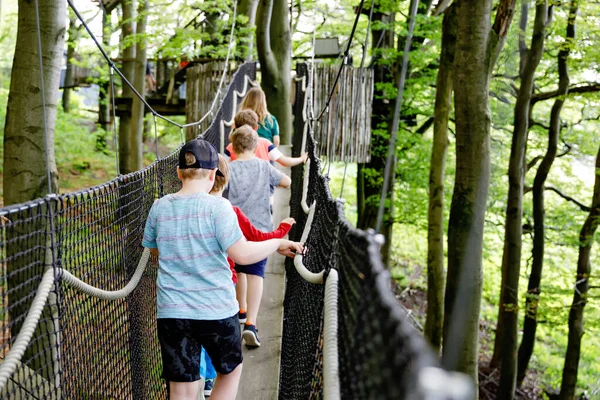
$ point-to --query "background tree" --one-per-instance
(139, 82)
(508, 317)
(25, 144)
(435, 240)
(477, 47)
(273, 42)
(580, 296)
(29, 151)
(128, 147)
(539, 226)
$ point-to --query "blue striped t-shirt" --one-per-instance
(192, 234)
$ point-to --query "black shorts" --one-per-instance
(181, 342)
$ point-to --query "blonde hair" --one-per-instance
(246, 117)
(243, 139)
(221, 181)
(256, 101)
(193, 173)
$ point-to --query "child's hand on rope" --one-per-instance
(289, 248)
(289, 221)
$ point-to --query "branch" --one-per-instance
(582, 206)
(533, 162)
(592, 88)
(426, 125)
(536, 123)
(504, 15)
(441, 7)
(566, 151)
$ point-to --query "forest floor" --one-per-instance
(414, 300)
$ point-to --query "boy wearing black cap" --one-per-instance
(192, 233)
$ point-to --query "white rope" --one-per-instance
(224, 123)
(13, 358)
(331, 371)
(107, 294)
(435, 383)
(305, 187)
(312, 277)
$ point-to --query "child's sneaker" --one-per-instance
(250, 336)
(242, 316)
(208, 387)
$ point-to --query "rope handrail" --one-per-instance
(312, 277)
(17, 350)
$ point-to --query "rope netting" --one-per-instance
(381, 355)
(96, 340)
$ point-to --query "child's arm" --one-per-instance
(285, 182)
(278, 179)
(243, 252)
(149, 239)
(256, 235)
(292, 161)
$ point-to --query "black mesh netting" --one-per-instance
(380, 353)
(85, 347)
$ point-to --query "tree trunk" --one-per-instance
(368, 187)
(125, 122)
(506, 338)
(26, 166)
(435, 249)
(24, 142)
(582, 284)
(139, 81)
(71, 43)
(248, 8)
(533, 288)
(477, 46)
(104, 106)
(274, 45)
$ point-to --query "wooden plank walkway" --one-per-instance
(260, 376)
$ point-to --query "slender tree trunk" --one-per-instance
(248, 8)
(582, 284)
(104, 117)
(370, 185)
(274, 45)
(533, 288)
(125, 122)
(139, 81)
(477, 46)
(435, 251)
(523, 51)
(506, 339)
(368, 188)
(71, 43)
(25, 165)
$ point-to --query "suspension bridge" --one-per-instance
(78, 291)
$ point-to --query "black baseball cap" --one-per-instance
(205, 153)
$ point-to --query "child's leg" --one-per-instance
(226, 385)
(240, 291)
(255, 291)
(183, 390)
